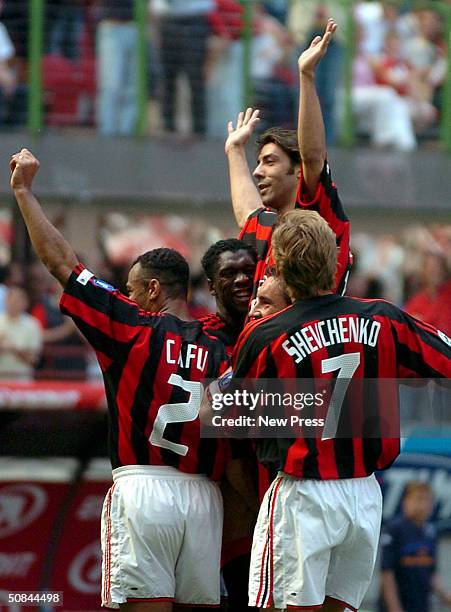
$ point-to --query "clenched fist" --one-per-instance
(23, 166)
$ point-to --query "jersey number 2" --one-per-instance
(346, 365)
(181, 412)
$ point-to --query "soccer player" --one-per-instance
(162, 518)
(272, 297)
(288, 174)
(230, 267)
(322, 552)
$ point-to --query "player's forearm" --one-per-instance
(244, 193)
(50, 246)
(311, 134)
(390, 592)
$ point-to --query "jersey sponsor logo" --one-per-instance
(224, 381)
(329, 332)
(85, 570)
(84, 277)
(20, 505)
(103, 284)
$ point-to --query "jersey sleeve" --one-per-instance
(327, 203)
(422, 350)
(107, 319)
(248, 358)
(257, 230)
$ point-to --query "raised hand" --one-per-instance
(23, 166)
(245, 125)
(311, 57)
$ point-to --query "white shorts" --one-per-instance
(161, 537)
(315, 539)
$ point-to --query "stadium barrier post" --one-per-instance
(246, 37)
(140, 16)
(35, 46)
(347, 127)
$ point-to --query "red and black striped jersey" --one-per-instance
(153, 366)
(258, 228)
(214, 325)
(315, 339)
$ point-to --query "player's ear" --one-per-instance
(298, 172)
(211, 287)
(154, 289)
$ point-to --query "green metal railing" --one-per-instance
(35, 100)
(35, 33)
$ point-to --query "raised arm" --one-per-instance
(311, 133)
(50, 246)
(244, 193)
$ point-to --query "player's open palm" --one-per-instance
(245, 125)
(311, 57)
(23, 166)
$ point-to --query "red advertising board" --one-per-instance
(32, 494)
(77, 566)
(52, 395)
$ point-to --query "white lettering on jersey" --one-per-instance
(194, 355)
(342, 330)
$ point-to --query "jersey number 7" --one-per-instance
(346, 365)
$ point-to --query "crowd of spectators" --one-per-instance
(195, 65)
(412, 269)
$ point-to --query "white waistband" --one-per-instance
(155, 471)
(358, 479)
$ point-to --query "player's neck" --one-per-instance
(315, 295)
(234, 319)
(286, 207)
(178, 308)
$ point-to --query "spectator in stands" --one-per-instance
(11, 93)
(224, 63)
(64, 353)
(379, 110)
(66, 21)
(409, 555)
(432, 303)
(274, 75)
(20, 338)
(184, 34)
(393, 70)
(117, 48)
(277, 9)
(426, 51)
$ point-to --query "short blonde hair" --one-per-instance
(305, 253)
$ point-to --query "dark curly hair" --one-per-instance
(211, 257)
(169, 268)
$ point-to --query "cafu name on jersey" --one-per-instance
(193, 355)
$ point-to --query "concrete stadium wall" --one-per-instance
(190, 175)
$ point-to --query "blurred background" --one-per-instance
(126, 103)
